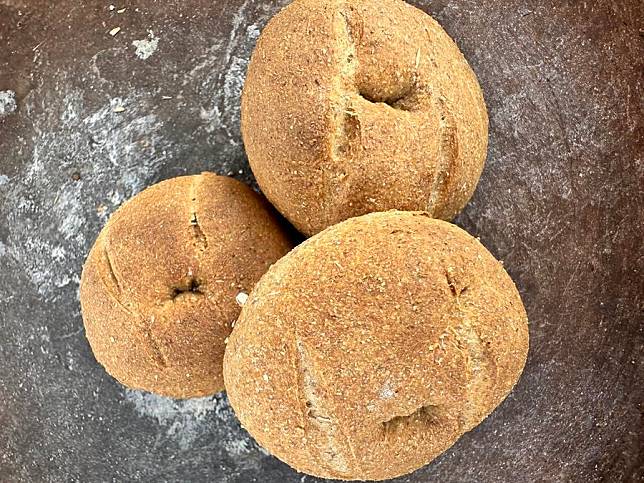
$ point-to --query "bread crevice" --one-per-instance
(308, 387)
(447, 157)
(110, 269)
(189, 285)
(398, 103)
(192, 283)
(454, 285)
(200, 237)
(201, 240)
(318, 415)
(480, 382)
(115, 295)
(155, 352)
(425, 414)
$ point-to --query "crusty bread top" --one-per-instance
(357, 106)
(158, 287)
(371, 347)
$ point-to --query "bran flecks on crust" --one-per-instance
(372, 347)
(158, 288)
(352, 107)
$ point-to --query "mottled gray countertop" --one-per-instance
(560, 201)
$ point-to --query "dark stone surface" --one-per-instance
(560, 201)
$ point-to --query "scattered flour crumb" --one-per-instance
(146, 47)
(242, 298)
(7, 102)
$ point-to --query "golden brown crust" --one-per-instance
(159, 285)
(372, 347)
(351, 107)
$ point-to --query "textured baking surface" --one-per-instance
(559, 201)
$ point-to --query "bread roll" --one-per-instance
(351, 107)
(372, 347)
(159, 285)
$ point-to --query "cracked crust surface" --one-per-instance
(351, 107)
(373, 346)
(159, 285)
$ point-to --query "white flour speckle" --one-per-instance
(185, 421)
(238, 19)
(212, 118)
(45, 230)
(233, 84)
(387, 392)
(239, 447)
(183, 418)
(222, 112)
(146, 47)
(58, 253)
(241, 298)
(167, 410)
(252, 32)
(71, 224)
(63, 281)
(70, 362)
(7, 103)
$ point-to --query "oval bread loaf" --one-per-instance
(373, 346)
(351, 107)
(158, 288)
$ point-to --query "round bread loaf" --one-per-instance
(373, 346)
(159, 286)
(351, 107)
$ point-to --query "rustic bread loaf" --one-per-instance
(373, 346)
(158, 288)
(351, 107)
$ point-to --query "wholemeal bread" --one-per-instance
(158, 288)
(373, 346)
(351, 107)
